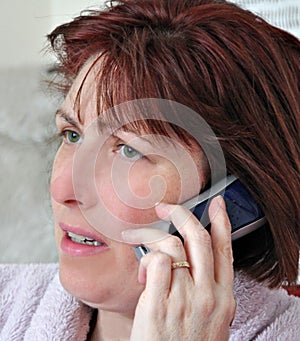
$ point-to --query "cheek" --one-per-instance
(121, 208)
(152, 187)
(133, 197)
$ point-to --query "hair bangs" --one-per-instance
(120, 106)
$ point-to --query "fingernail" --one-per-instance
(162, 210)
(129, 236)
(216, 204)
(220, 201)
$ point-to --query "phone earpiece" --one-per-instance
(244, 213)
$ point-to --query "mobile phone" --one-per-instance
(244, 213)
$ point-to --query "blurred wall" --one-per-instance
(25, 24)
(26, 123)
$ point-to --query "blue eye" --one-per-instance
(71, 136)
(130, 153)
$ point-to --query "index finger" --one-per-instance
(197, 241)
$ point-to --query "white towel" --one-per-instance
(35, 307)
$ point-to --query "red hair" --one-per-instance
(240, 73)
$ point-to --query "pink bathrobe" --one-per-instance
(35, 307)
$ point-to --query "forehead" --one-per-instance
(81, 100)
(88, 101)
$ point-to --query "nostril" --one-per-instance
(62, 192)
(72, 202)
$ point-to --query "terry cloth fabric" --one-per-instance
(35, 307)
(264, 314)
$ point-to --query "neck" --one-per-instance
(112, 326)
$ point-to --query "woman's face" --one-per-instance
(95, 266)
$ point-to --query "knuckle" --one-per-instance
(207, 304)
(230, 312)
(160, 259)
(201, 235)
(174, 242)
(180, 309)
(232, 306)
(226, 251)
(228, 299)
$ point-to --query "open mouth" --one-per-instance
(77, 238)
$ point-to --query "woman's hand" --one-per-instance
(193, 303)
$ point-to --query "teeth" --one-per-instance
(77, 238)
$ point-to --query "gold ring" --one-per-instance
(182, 264)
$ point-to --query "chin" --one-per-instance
(99, 285)
(82, 277)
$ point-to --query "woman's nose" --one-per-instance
(73, 184)
(62, 188)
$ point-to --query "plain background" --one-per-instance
(27, 109)
(25, 24)
(27, 117)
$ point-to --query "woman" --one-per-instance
(122, 153)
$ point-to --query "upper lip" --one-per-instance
(82, 232)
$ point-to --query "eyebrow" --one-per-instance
(102, 124)
(67, 118)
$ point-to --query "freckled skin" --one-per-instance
(108, 280)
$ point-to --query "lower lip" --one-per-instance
(76, 249)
